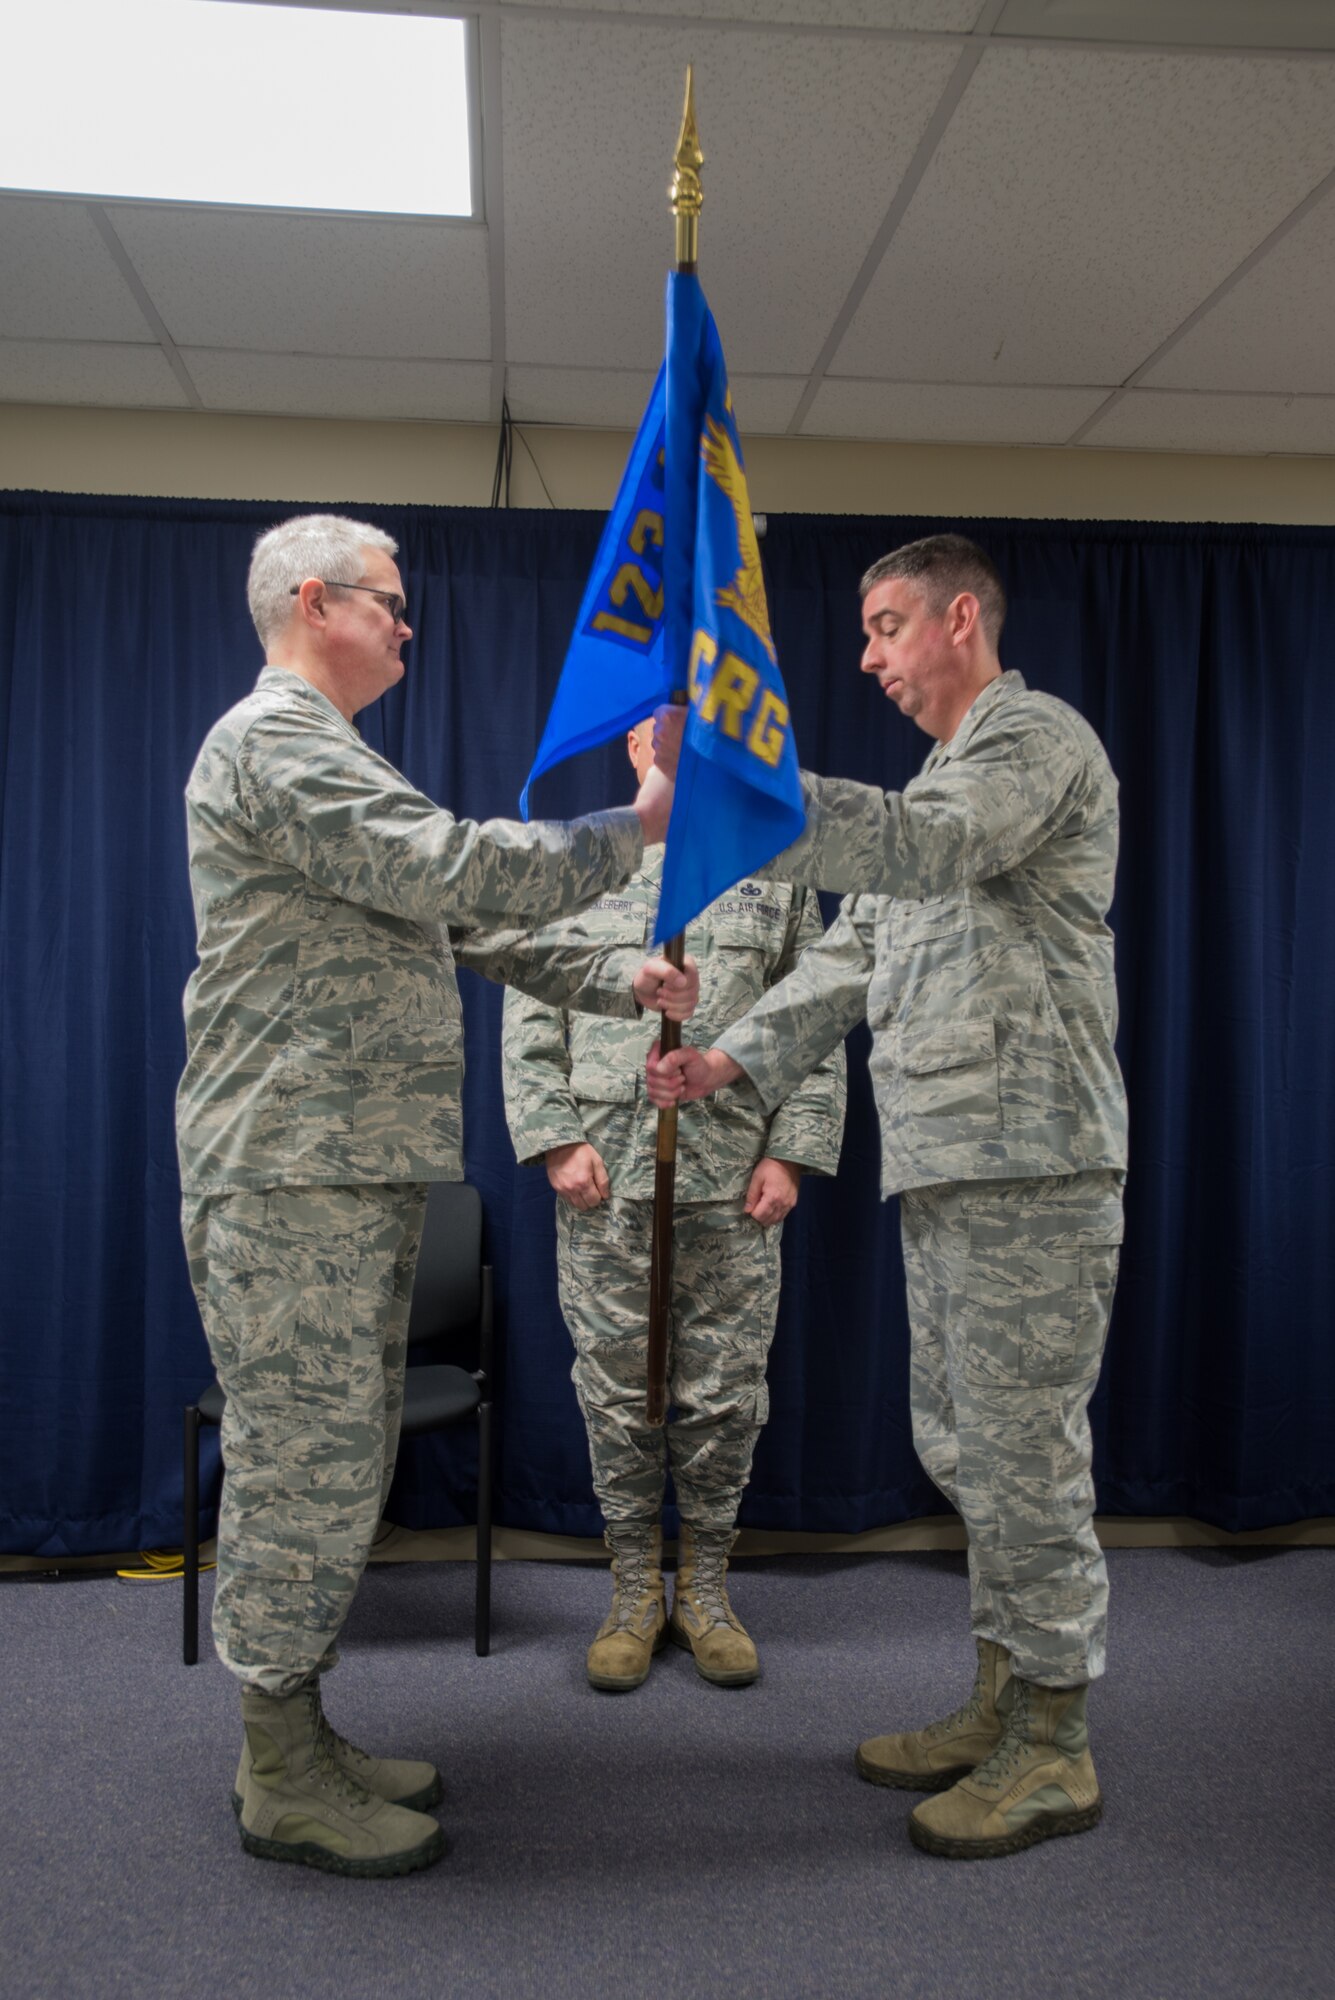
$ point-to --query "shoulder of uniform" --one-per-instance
(282, 716)
(1046, 715)
(229, 732)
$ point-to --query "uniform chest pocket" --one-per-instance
(742, 943)
(951, 1074)
(615, 920)
(732, 979)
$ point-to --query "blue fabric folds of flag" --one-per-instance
(676, 600)
(739, 795)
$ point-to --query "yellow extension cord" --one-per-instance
(159, 1566)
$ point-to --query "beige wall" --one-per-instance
(289, 458)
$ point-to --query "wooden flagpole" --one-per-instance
(687, 197)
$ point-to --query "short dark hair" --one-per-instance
(942, 566)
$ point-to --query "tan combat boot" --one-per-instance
(403, 1781)
(1038, 1782)
(635, 1628)
(934, 1758)
(300, 1805)
(702, 1618)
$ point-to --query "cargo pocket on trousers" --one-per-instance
(328, 1339)
(759, 1412)
(1036, 1315)
(261, 1543)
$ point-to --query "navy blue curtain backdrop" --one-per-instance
(1200, 654)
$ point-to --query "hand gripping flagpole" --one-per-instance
(687, 198)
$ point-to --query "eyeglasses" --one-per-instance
(396, 606)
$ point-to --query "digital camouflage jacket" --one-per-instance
(974, 939)
(324, 1034)
(570, 1077)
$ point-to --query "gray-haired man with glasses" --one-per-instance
(321, 1094)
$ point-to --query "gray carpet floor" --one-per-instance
(683, 1840)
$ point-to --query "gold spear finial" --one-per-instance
(686, 192)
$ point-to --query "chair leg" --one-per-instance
(482, 1634)
(190, 1541)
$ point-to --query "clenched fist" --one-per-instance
(773, 1191)
(578, 1175)
(688, 1073)
(674, 994)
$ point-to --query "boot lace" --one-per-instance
(969, 1711)
(994, 1772)
(332, 1773)
(340, 1747)
(632, 1586)
(959, 1718)
(707, 1586)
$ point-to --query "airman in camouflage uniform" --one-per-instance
(575, 1097)
(974, 941)
(320, 1095)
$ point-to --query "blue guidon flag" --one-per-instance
(676, 599)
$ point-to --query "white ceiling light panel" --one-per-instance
(253, 106)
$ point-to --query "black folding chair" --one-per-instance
(452, 1307)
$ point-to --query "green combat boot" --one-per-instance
(934, 1758)
(634, 1629)
(1038, 1782)
(702, 1618)
(403, 1782)
(299, 1804)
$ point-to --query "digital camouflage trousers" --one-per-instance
(725, 1297)
(1010, 1284)
(304, 1293)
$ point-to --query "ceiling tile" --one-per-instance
(1273, 330)
(792, 197)
(79, 371)
(312, 284)
(1169, 420)
(1082, 203)
(311, 385)
(765, 404)
(938, 413)
(948, 15)
(610, 399)
(59, 279)
(615, 398)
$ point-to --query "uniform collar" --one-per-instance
(297, 684)
(1000, 690)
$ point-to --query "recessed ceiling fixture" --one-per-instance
(252, 105)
